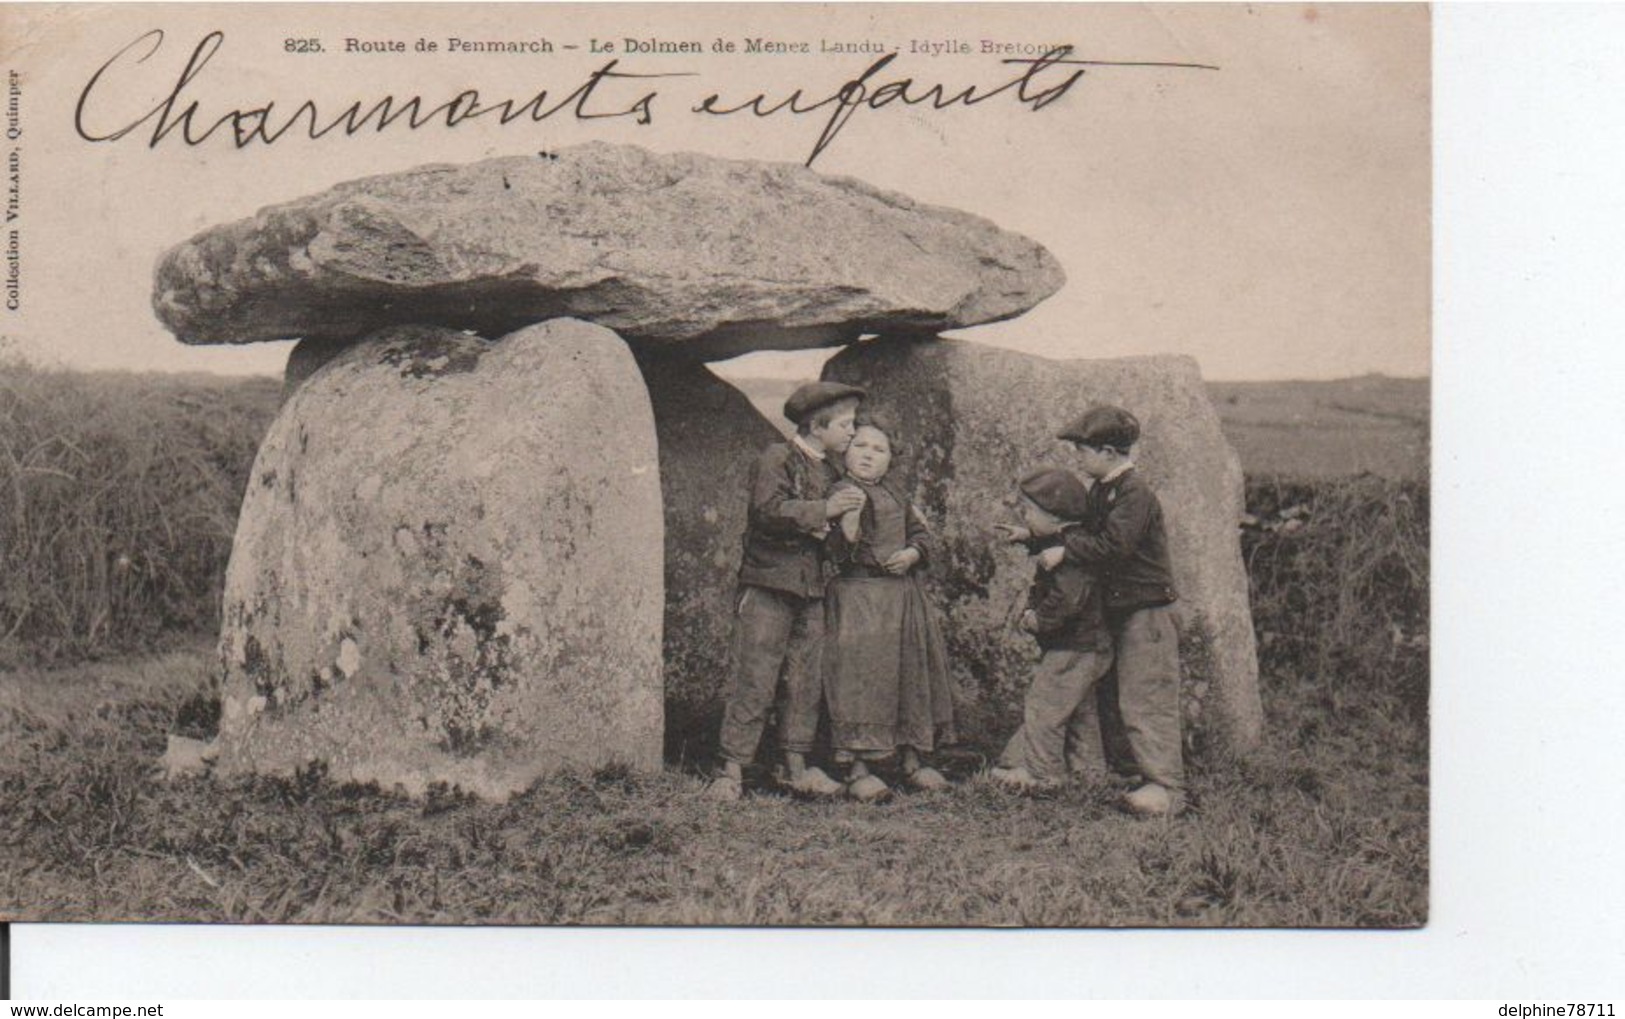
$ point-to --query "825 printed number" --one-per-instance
(301, 45)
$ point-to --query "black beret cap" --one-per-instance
(1057, 491)
(814, 395)
(1104, 425)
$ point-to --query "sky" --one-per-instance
(1270, 218)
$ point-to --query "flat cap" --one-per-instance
(1104, 425)
(808, 398)
(1056, 491)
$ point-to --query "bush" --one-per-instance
(1339, 574)
(119, 496)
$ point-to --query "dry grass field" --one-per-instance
(1372, 424)
(1325, 825)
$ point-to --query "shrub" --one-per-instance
(1339, 574)
(118, 501)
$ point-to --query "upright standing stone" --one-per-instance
(305, 359)
(975, 417)
(447, 567)
(709, 436)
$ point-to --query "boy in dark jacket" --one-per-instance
(1124, 538)
(1064, 614)
(779, 612)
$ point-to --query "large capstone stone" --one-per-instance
(448, 566)
(974, 418)
(714, 255)
(710, 435)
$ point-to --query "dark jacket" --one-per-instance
(1123, 537)
(786, 526)
(860, 559)
(1069, 608)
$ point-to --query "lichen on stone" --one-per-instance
(258, 668)
(432, 353)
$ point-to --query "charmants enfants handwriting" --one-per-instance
(611, 91)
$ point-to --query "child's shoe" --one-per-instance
(926, 779)
(868, 789)
(1153, 800)
(1022, 781)
(814, 782)
(1015, 778)
(724, 789)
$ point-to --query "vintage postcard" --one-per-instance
(857, 466)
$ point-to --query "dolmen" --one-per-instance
(494, 529)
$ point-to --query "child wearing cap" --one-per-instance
(1064, 613)
(779, 613)
(885, 664)
(1124, 537)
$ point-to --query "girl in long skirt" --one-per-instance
(886, 670)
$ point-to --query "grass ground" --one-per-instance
(1325, 826)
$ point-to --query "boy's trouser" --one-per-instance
(1062, 683)
(774, 632)
(1148, 692)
